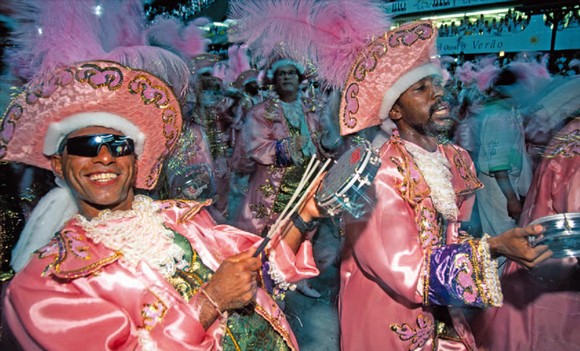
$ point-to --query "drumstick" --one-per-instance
(312, 165)
(303, 182)
(283, 220)
(266, 232)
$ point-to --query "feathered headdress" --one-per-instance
(238, 62)
(52, 34)
(557, 101)
(486, 72)
(170, 33)
(323, 35)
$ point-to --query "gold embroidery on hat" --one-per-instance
(86, 73)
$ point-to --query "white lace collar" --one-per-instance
(139, 234)
(437, 173)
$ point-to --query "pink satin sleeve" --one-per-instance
(291, 266)
(102, 312)
(386, 246)
(554, 189)
(261, 136)
(215, 243)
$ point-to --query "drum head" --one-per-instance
(561, 234)
(342, 172)
(345, 184)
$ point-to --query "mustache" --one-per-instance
(440, 103)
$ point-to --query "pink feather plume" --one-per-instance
(170, 33)
(326, 35)
(238, 62)
(466, 73)
(49, 34)
(485, 72)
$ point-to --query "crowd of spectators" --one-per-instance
(511, 22)
(569, 20)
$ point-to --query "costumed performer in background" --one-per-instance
(541, 309)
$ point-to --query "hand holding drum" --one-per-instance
(561, 234)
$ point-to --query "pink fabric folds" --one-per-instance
(541, 310)
(107, 305)
(382, 273)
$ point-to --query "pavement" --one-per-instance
(315, 320)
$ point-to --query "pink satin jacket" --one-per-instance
(402, 260)
(264, 129)
(77, 295)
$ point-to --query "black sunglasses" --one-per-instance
(90, 145)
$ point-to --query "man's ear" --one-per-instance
(395, 113)
(56, 163)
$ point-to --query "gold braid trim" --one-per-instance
(276, 325)
(427, 271)
(490, 274)
(477, 273)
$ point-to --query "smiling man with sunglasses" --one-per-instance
(127, 272)
(98, 164)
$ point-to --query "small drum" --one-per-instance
(561, 234)
(345, 184)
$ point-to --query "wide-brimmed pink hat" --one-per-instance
(387, 67)
(93, 93)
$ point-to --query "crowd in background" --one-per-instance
(511, 22)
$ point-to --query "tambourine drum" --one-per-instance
(561, 234)
(344, 186)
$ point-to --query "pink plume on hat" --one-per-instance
(121, 23)
(532, 74)
(482, 72)
(170, 33)
(466, 73)
(485, 76)
(51, 34)
(324, 35)
(238, 62)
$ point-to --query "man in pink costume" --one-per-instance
(127, 272)
(281, 135)
(406, 261)
(239, 163)
(211, 110)
(541, 309)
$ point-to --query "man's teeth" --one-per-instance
(102, 177)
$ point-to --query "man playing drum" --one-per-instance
(406, 261)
